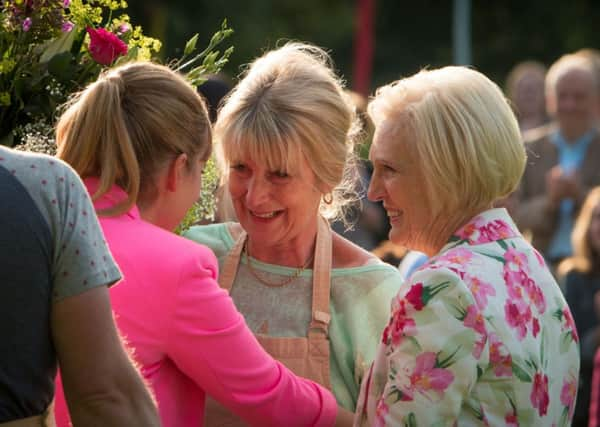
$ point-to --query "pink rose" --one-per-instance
(105, 47)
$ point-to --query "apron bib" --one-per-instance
(308, 356)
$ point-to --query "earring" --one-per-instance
(328, 198)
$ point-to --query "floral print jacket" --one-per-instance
(480, 335)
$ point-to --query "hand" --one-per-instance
(556, 184)
(344, 418)
(573, 186)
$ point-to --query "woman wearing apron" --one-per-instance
(315, 301)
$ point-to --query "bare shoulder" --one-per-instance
(346, 254)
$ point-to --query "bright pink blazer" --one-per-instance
(189, 338)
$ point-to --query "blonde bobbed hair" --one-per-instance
(464, 132)
(585, 258)
(125, 127)
(290, 104)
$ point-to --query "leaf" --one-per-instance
(190, 46)
(502, 244)
(456, 311)
(543, 361)
(60, 64)
(565, 342)
(564, 417)
(411, 420)
(520, 372)
(8, 139)
(496, 257)
(208, 53)
(455, 348)
(58, 45)
(396, 394)
(415, 343)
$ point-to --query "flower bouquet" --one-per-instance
(52, 48)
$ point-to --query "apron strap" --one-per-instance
(232, 261)
(319, 324)
(321, 288)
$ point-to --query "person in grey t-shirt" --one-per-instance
(54, 307)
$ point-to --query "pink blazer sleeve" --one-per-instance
(208, 340)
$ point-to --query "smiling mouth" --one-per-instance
(393, 213)
(265, 215)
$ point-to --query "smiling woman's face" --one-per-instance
(273, 206)
(399, 183)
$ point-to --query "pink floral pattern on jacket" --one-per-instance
(480, 335)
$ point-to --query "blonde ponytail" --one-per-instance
(93, 139)
(127, 125)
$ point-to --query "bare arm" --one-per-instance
(101, 385)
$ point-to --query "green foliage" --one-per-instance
(212, 60)
(46, 56)
(204, 208)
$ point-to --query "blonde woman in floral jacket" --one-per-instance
(479, 335)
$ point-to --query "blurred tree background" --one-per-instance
(408, 35)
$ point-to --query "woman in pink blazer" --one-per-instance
(139, 137)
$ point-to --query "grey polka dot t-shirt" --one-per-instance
(51, 247)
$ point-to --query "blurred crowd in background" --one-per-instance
(557, 205)
(521, 46)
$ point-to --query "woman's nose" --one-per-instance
(374, 192)
(258, 191)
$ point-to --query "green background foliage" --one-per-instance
(409, 35)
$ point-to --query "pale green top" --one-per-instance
(360, 307)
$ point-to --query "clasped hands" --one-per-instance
(561, 184)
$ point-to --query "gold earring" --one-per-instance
(328, 198)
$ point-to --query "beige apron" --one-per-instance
(44, 420)
(307, 357)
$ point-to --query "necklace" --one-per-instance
(288, 280)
